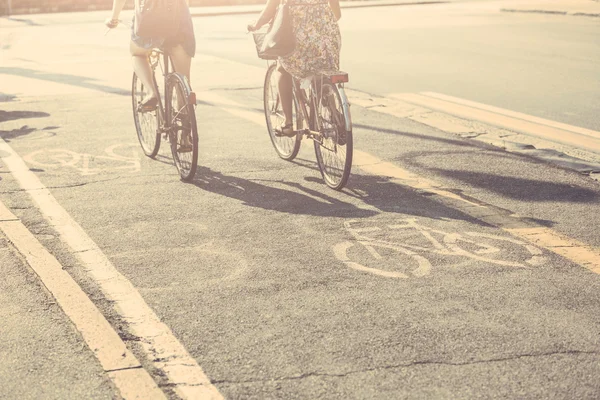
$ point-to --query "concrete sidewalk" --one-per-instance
(587, 8)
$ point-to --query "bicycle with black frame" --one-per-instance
(174, 118)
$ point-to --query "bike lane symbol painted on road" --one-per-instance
(118, 157)
(406, 244)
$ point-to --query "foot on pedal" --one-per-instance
(285, 131)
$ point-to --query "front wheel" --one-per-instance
(286, 147)
(181, 120)
(334, 150)
(146, 122)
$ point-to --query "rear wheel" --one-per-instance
(334, 151)
(286, 147)
(146, 122)
(181, 118)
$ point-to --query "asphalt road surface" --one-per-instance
(543, 65)
(447, 268)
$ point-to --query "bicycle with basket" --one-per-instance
(321, 113)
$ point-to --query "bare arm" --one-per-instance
(116, 8)
(265, 16)
(335, 6)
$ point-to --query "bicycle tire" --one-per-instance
(334, 153)
(146, 122)
(181, 120)
(286, 147)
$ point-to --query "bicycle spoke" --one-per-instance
(183, 135)
(334, 153)
(286, 147)
(146, 122)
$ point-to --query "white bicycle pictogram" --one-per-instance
(115, 158)
(416, 239)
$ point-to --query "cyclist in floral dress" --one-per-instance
(318, 43)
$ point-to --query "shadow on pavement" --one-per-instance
(521, 188)
(215, 104)
(7, 97)
(14, 115)
(388, 196)
(24, 21)
(15, 133)
(455, 142)
(25, 129)
(509, 186)
(73, 80)
(255, 194)
(379, 194)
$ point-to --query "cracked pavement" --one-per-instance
(244, 265)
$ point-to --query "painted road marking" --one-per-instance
(450, 244)
(514, 114)
(160, 346)
(526, 124)
(88, 164)
(540, 236)
(123, 368)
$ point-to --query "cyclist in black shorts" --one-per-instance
(181, 47)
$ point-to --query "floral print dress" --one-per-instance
(318, 39)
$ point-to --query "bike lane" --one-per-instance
(242, 264)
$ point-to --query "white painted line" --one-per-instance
(514, 114)
(132, 381)
(573, 250)
(551, 133)
(161, 347)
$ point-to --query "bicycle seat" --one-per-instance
(335, 76)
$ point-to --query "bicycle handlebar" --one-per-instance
(108, 29)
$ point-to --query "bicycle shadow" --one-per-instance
(383, 194)
(392, 197)
(301, 200)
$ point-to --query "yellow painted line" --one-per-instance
(514, 114)
(159, 344)
(527, 126)
(123, 368)
(573, 250)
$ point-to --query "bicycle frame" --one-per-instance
(164, 126)
(309, 112)
(308, 115)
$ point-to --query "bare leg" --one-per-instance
(181, 61)
(141, 67)
(284, 83)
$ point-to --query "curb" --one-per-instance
(348, 4)
(552, 12)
